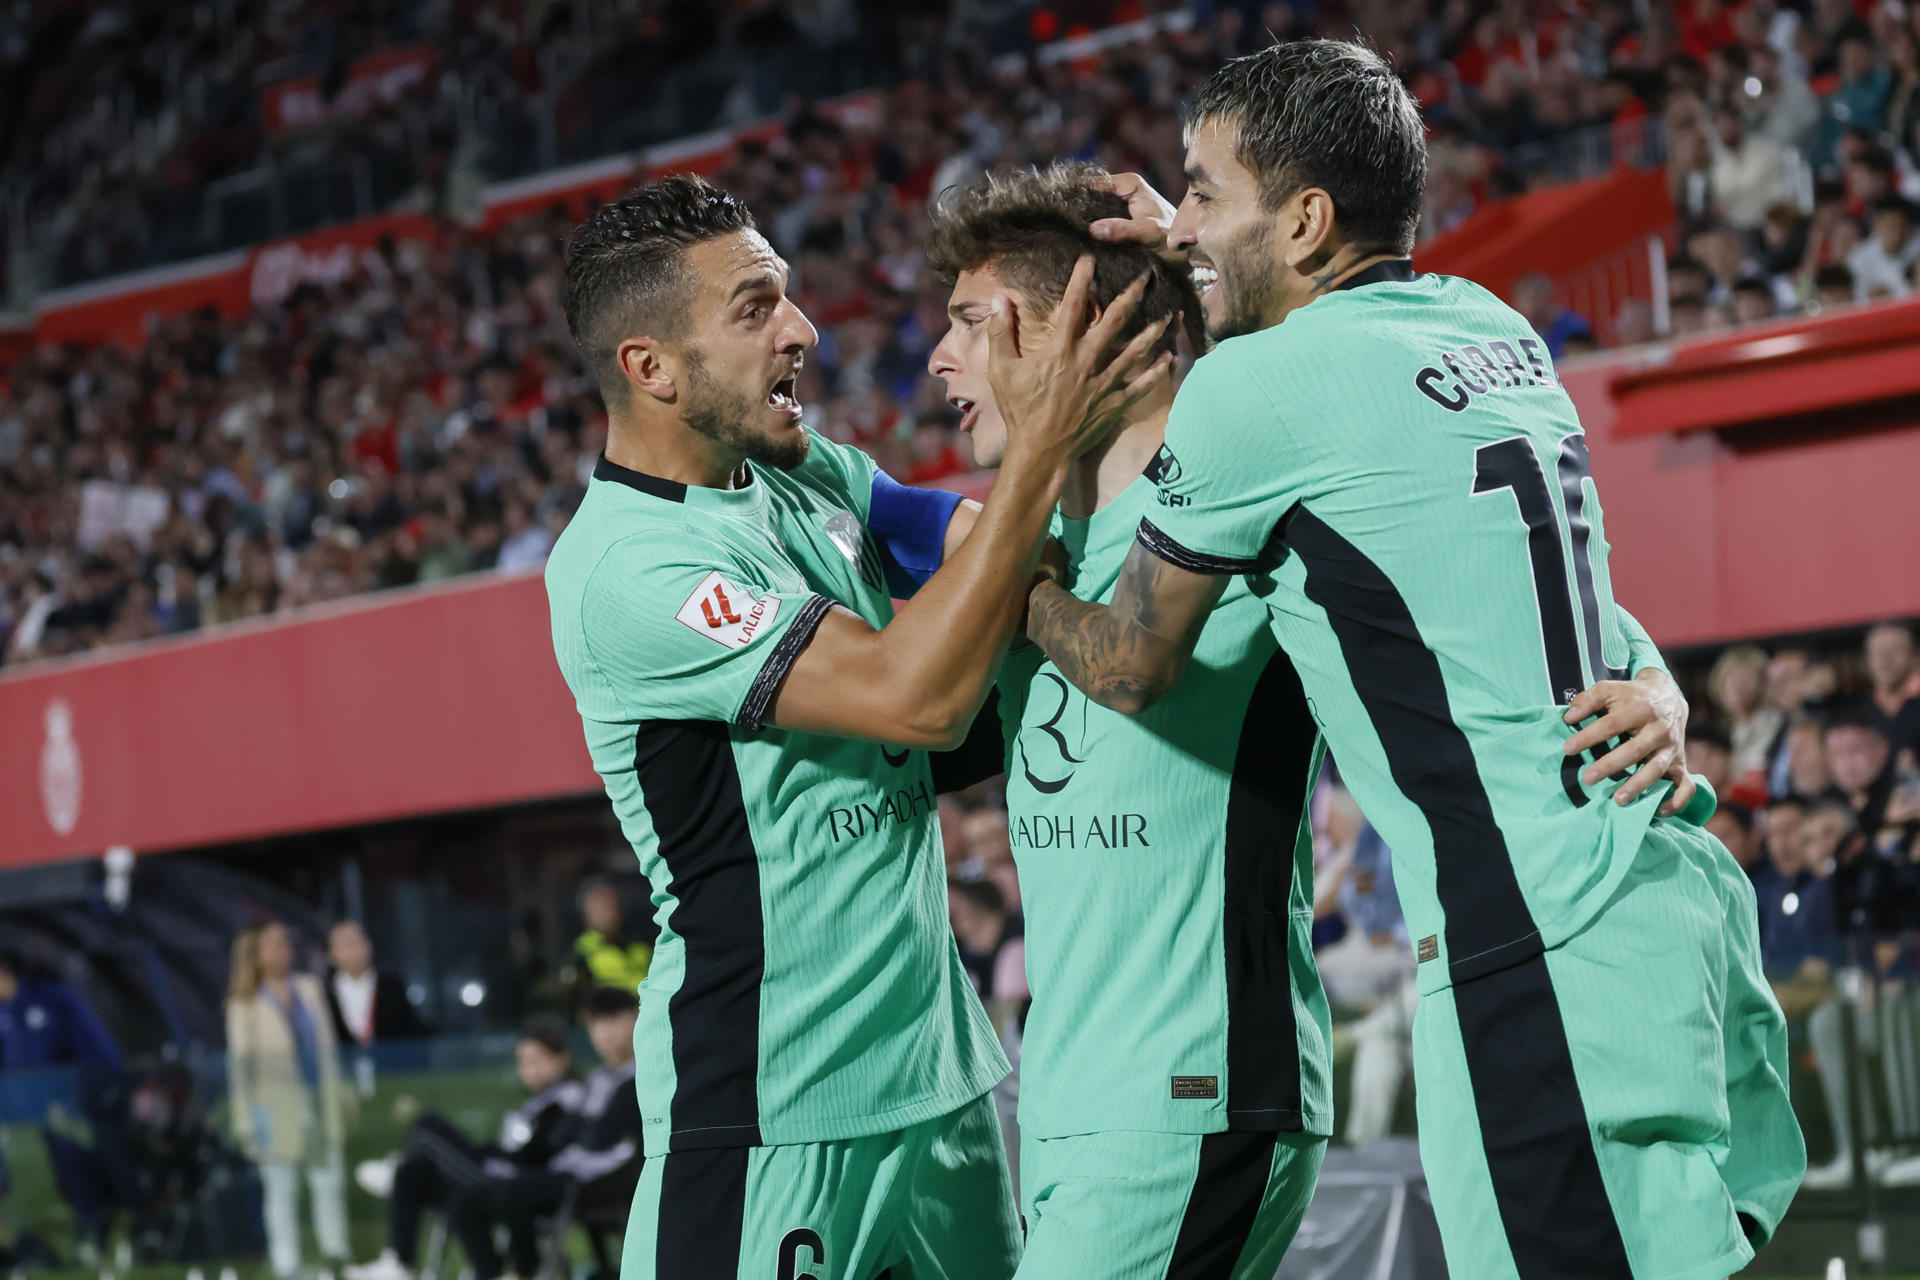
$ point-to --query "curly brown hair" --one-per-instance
(1031, 225)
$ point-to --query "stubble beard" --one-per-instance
(726, 418)
(1249, 285)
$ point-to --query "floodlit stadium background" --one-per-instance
(289, 419)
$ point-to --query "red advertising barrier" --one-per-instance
(1559, 231)
(440, 699)
(383, 76)
(1728, 520)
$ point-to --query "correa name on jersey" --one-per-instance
(850, 822)
(1476, 369)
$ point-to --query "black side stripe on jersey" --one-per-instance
(691, 787)
(1192, 561)
(702, 1214)
(1265, 802)
(773, 673)
(1223, 1205)
(670, 490)
(1398, 680)
(1546, 1178)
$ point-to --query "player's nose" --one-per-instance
(1182, 235)
(940, 364)
(798, 334)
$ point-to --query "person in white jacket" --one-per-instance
(289, 1105)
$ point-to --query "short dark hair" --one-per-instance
(1711, 734)
(1835, 275)
(1855, 717)
(1741, 814)
(1031, 225)
(608, 1002)
(547, 1031)
(625, 267)
(1328, 114)
(1756, 286)
(1891, 203)
(984, 894)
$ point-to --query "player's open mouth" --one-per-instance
(969, 411)
(1205, 278)
(782, 399)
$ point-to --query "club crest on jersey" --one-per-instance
(850, 536)
(727, 614)
(1164, 473)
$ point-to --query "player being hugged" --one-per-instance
(814, 1063)
(1390, 460)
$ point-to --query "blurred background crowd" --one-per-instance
(424, 416)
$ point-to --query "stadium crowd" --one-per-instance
(428, 416)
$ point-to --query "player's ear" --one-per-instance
(1306, 225)
(648, 372)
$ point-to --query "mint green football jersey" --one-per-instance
(1166, 874)
(1400, 472)
(805, 986)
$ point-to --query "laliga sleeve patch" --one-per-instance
(729, 615)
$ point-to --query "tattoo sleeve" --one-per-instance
(1125, 655)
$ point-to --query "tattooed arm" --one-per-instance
(1125, 655)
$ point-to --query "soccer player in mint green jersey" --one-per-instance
(1175, 1067)
(814, 1099)
(1174, 1095)
(1390, 462)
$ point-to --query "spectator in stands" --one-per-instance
(990, 856)
(47, 1024)
(1556, 325)
(1370, 970)
(1787, 674)
(1894, 668)
(1749, 174)
(1861, 761)
(1881, 262)
(604, 953)
(1833, 287)
(1869, 903)
(601, 1161)
(1795, 900)
(1860, 100)
(1737, 686)
(1784, 111)
(991, 952)
(289, 1107)
(1754, 301)
(1733, 825)
(439, 1159)
(1714, 762)
(527, 541)
(1781, 829)
(367, 1005)
(1808, 772)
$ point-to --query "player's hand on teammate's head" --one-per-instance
(1058, 382)
(1649, 714)
(1149, 217)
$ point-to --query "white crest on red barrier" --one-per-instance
(60, 769)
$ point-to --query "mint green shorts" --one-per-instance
(934, 1202)
(1616, 1106)
(1164, 1206)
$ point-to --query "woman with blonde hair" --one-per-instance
(1738, 686)
(289, 1108)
